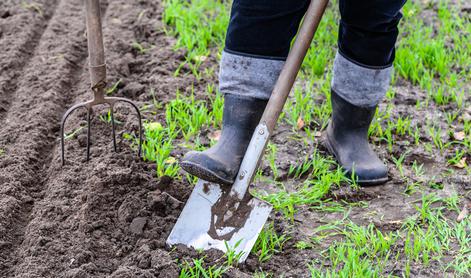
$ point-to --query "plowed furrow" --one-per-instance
(70, 222)
(29, 128)
(19, 36)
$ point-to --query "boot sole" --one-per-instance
(203, 173)
(379, 181)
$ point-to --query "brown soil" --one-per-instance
(110, 216)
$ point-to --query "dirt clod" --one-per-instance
(137, 225)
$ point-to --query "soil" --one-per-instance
(110, 216)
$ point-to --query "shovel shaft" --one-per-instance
(278, 98)
(96, 51)
(293, 63)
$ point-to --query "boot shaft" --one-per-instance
(348, 117)
(241, 116)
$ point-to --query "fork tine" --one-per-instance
(139, 119)
(113, 127)
(64, 119)
(89, 110)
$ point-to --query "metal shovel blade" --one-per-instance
(211, 218)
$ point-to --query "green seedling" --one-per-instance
(297, 171)
(268, 243)
(217, 105)
(73, 133)
(457, 158)
(416, 135)
(141, 15)
(330, 206)
(412, 187)
(106, 118)
(197, 268)
(157, 147)
(399, 162)
(189, 114)
(425, 208)
(440, 97)
(424, 55)
(114, 88)
(436, 135)
(271, 157)
(418, 169)
(191, 179)
(32, 6)
(403, 126)
(140, 48)
(390, 93)
(232, 257)
(302, 245)
(155, 103)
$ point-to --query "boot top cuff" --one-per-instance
(361, 86)
(248, 76)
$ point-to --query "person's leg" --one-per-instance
(362, 70)
(257, 43)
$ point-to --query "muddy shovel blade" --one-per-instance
(223, 217)
(210, 220)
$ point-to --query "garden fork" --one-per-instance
(97, 69)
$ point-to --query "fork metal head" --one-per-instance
(99, 99)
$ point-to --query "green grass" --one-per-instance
(424, 238)
(320, 174)
(184, 118)
(199, 26)
(435, 61)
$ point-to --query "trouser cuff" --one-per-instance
(248, 76)
(359, 85)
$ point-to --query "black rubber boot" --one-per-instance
(347, 139)
(221, 162)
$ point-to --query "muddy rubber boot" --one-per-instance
(247, 83)
(357, 89)
(347, 139)
(221, 162)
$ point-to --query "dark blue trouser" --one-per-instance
(265, 28)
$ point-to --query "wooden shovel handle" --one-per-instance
(293, 63)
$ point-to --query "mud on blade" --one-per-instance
(211, 217)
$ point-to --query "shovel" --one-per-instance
(229, 218)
